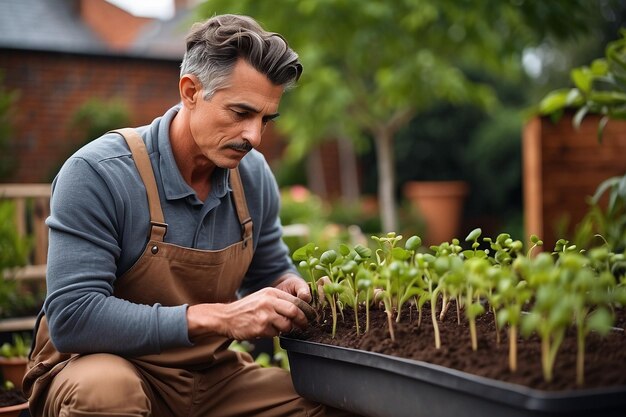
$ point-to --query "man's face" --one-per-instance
(231, 123)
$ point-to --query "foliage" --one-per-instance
(97, 116)
(13, 253)
(279, 357)
(599, 88)
(606, 223)
(19, 348)
(299, 205)
(92, 119)
(7, 101)
(370, 67)
(544, 295)
(305, 216)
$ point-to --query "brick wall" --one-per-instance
(562, 167)
(52, 86)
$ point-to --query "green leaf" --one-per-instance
(400, 254)
(582, 78)
(332, 288)
(413, 243)
(474, 235)
(599, 67)
(363, 252)
(503, 317)
(328, 257)
(303, 253)
(530, 323)
(600, 321)
(579, 116)
(6, 350)
(350, 267)
(475, 309)
(553, 101)
(503, 257)
(608, 98)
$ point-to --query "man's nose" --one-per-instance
(254, 131)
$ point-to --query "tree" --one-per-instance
(371, 66)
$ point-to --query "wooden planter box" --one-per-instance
(563, 166)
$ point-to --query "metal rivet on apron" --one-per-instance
(154, 249)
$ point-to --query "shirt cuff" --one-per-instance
(172, 324)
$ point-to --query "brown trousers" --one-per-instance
(107, 385)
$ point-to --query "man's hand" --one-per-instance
(294, 285)
(265, 313)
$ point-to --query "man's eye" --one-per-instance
(240, 114)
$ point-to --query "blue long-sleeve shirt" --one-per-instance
(99, 226)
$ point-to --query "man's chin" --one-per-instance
(230, 163)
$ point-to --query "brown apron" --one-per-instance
(168, 274)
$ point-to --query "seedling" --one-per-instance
(545, 294)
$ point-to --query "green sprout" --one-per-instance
(331, 288)
(475, 270)
(512, 294)
(536, 242)
(426, 263)
(546, 294)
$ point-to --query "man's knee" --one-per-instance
(98, 383)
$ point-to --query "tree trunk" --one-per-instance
(386, 180)
(316, 179)
(348, 174)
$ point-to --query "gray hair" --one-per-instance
(214, 46)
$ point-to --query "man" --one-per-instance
(153, 232)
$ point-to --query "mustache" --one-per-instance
(242, 146)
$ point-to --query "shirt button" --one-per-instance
(154, 249)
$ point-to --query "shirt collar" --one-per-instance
(174, 185)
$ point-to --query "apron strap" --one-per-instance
(158, 227)
(241, 206)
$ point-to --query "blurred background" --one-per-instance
(394, 93)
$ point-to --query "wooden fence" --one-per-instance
(32, 207)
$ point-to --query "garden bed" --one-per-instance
(556, 347)
(373, 376)
(605, 357)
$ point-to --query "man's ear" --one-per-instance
(190, 90)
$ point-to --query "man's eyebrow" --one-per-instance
(249, 108)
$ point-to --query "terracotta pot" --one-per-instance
(441, 205)
(13, 410)
(13, 369)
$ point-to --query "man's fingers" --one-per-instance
(284, 325)
(293, 309)
(306, 308)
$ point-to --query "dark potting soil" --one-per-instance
(11, 397)
(605, 357)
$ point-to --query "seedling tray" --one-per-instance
(377, 385)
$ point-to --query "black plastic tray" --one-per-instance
(376, 385)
